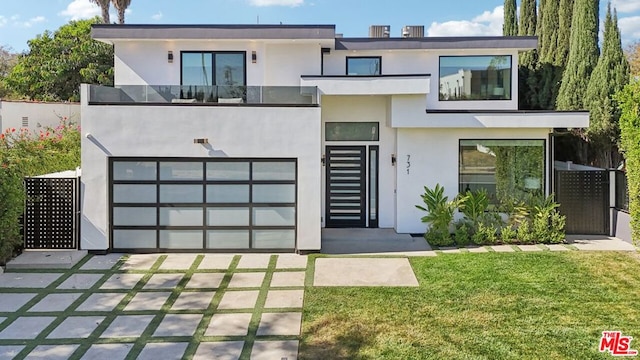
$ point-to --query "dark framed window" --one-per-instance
(507, 169)
(364, 66)
(211, 75)
(351, 131)
(196, 204)
(475, 78)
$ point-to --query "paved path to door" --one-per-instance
(155, 307)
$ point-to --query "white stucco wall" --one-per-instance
(40, 114)
(431, 156)
(366, 109)
(169, 131)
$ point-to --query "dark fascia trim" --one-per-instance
(439, 43)
(107, 32)
(93, 103)
(540, 112)
(363, 76)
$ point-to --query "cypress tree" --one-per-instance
(565, 16)
(583, 55)
(527, 27)
(548, 71)
(610, 75)
(510, 26)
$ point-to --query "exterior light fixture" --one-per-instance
(393, 159)
(254, 57)
(201, 141)
(323, 160)
(170, 57)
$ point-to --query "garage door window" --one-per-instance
(195, 204)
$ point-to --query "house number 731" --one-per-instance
(408, 164)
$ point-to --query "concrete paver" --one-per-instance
(267, 350)
(530, 248)
(450, 250)
(147, 301)
(254, 261)
(8, 352)
(178, 325)
(215, 262)
(47, 259)
(284, 299)
(140, 262)
(364, 272)
(228, 325)
(291, 261)
(199, 300)
(80, 281)
(76, 327)
(26, 328)
(205, 281)
(127, 326)
(52, 352)
(2, 319)
(476, 249)
(27, 280)
(13, 302)
(101, 262)
(223, 350)
(122, 281)
(239, 300)
(503, 248)
(178, 261)
(55, 302)
(557, 247)
(101, 302)
(287, 323)
(107, 351)
(163, 281)
(246, 280)
(155, 351)
(598, 244)
(287, 279)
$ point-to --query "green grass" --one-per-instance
(546, 305)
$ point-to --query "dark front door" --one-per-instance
(346, 187)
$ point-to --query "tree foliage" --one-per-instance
(565, 18)
(57, 63)
(629, 102)
(609, 76)
(510, 26)
(121, 6)
(104, 8)
(633, 55)
(7, 62)
(583, 55)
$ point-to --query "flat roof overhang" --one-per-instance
(113, 32)
(506, 119)
(439, 43)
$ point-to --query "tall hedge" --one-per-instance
(26, 153)
(629, 102)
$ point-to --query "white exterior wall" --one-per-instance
(431, 156)
(169, 131)
(40, 114)
(278, 64)
(366, 109)
(428, 62)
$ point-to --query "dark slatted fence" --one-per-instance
(51, 213)
(584, 199)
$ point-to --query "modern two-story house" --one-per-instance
(254, 137)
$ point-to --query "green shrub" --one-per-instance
(547, 223)
(24, 153)
(524, 234)
(439, 215)
(485, 235)
(462, 234)
(508, 234)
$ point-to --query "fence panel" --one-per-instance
(584, 200)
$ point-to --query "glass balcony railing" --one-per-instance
(224, 95)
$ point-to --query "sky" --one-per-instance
(23, 20)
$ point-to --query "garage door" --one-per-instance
(202, 204)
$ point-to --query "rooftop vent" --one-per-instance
(413, 31)
(379, 31)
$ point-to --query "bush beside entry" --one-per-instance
(534, 219)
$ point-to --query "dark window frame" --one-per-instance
(204, 205)
(512, 90)
(213, 63)
(379, 58)
(544, 186)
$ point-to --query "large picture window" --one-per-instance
(364, 66)
(207, 75)
(507, 169)
(475, 78)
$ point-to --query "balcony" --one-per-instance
(203, 95)
(409, 84)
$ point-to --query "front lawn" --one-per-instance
(547, 305)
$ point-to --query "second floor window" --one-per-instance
(364, 66)
(475, 78)
(213, 68)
